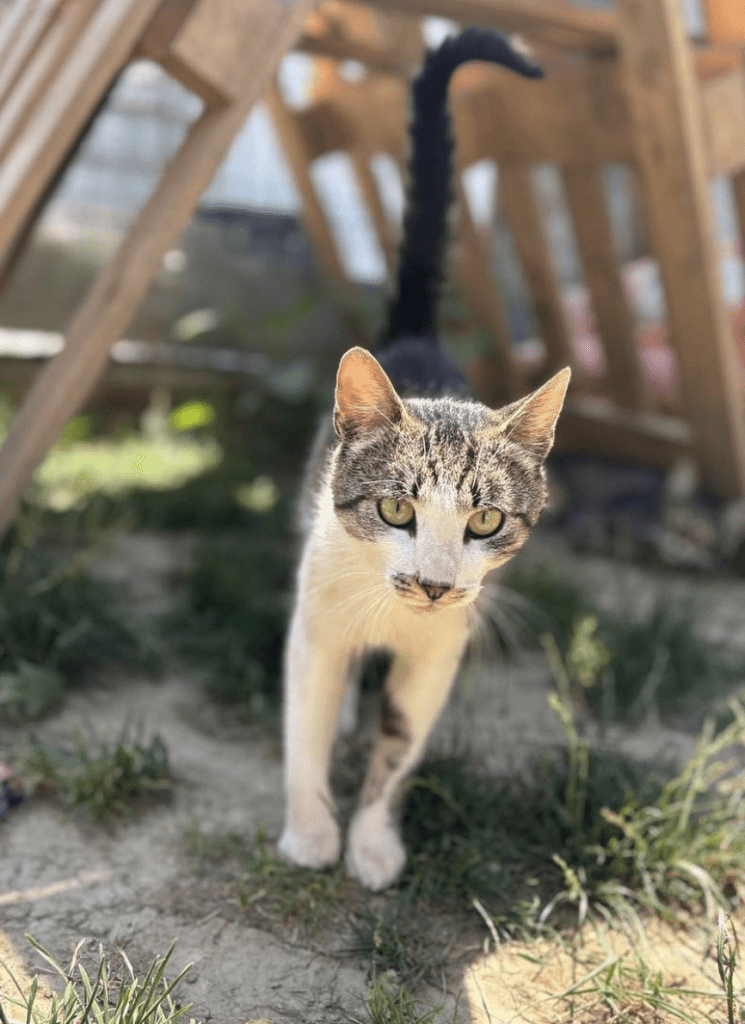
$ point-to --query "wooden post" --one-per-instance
(298, 157)
(524, 218)
(67, 380)
(663, 103)
(725, 21)
(613, 317)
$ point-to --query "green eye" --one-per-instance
(396, 513)
(485, 522)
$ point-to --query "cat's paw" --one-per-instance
(375, 854)
(317, 847)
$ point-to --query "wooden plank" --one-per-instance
(528, 236)
(371, 198)
(576, 115)
(41, 69)
(296, 145)
(23, 39)
(64, 384)
(613, 318)
(597, 425)
(472, 267)
(101, 51)
(723, 110)
(557, 22)
(671, 159)
(213, 42)
(164, 27)
(725, 21)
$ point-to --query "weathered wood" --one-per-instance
(167, 22)
(665, 111)
(101, 51)
(725, 21)
(576, 115)
(597, 425)
(528, 236)
(613, 316)
(557, 22)
(50, 56)
(296, 145)
(723, 109)
(63, 385)
(473, 273)
(23, 33)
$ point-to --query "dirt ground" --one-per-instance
(134, 887)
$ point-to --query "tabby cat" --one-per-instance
(408, 508)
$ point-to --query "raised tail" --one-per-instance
(412, 311)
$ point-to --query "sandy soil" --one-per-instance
(133, 887)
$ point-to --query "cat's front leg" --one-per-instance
(417, 688)
(316, 667)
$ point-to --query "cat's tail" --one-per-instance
(412, 312)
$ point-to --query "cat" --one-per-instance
(410, 503)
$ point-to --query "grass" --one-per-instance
(104, 996)
(658, 665)
(99, 779)
(57, 622)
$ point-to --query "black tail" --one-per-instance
(412, 312)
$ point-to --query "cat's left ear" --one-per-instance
(532, 421)
(365, 397)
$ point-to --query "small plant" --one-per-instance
(727, 953)
(99, 779)
(392, 1004)
(232, 620)
(56, 622)
(107, 997)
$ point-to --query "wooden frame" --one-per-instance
(672, 129)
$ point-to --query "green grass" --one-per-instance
(99, 779)
(108, 994)
(57, 622)
(658, 665)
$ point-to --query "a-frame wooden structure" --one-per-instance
(634, 73)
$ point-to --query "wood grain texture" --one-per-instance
(64, 384)
(671, 157)
(529, 239)
(613, 318)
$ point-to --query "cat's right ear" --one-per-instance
(365, 397)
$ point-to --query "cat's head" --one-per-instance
(446, 489)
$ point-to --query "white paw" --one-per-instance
(375, 854)
(315, 847)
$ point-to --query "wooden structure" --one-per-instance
(628, 94)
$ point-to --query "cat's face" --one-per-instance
(446, 490)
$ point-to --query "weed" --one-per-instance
(727, 953)
(392, 1004)
(231, 622)
(106, 997)
(56, 622)
(99, 779)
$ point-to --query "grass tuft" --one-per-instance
(394, 1004)
(101, 780)
(108, 996)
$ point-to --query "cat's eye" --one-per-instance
(485, 522)
(396, 513)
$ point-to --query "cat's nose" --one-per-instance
(434, 591)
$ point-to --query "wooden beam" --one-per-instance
(665, 111)
(41, 69)
(49, 134)
(613, 318)
(723, 110)
(725, 21)
(528, 236)
(301, 148)
(23, 32)
(558, 22)
(65, 383)
(597, 425)
(577, 115)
